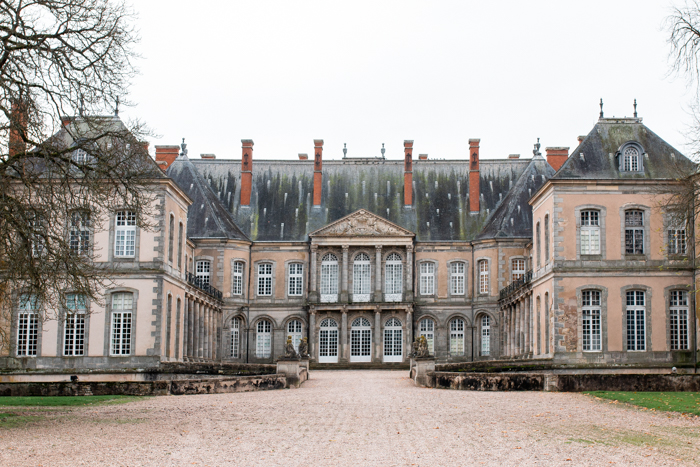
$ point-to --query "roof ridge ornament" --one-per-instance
(601, 108)
(635, 108)
(536, 152)
(183, 148)
(345, 150)
(116, 107)
(383, 151)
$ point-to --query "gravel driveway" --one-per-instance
(357, 418)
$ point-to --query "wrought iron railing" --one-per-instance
(516, 285)
(206, 288)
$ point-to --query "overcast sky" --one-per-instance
(365, 73)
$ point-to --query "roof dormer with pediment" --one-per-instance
(362, 228)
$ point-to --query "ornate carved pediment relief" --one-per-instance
(362, 223)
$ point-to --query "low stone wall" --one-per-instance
(486, 381)
(228, 385)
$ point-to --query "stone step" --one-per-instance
(359, 366)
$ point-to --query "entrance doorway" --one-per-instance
(393, 341)
(328, 341)
(360, 340)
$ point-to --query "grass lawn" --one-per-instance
(63, 401)
(683, 402)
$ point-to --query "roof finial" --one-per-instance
(81, 109)
(116, 108)
(383, 151)
(183, 146)
(345, 150)
(601, 107)
(635, 108)
(536, 151)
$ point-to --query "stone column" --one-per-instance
(409, 273)
(200, 324)
(528, 320)
(408, 338)
(312, 334)
(377, 335)
(519, 327)
(312, 270)
(207, 336)
(195, 326)
(511, 331)
(344, 352)
(378, 274)
(210, 328)
(344, 276)
(190, 328)
(185, 324)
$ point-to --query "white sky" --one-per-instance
(365, 73)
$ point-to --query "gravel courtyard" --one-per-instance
(357, 418)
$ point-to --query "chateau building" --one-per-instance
(564, 258)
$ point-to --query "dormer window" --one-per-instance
(630, 158)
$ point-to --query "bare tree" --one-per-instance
(60, 176)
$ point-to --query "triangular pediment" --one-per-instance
(362, 223)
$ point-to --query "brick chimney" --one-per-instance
(557, 156)
(423, 157)
(408, 172)
(166, 155)
(246, 171)
(18, 129)
(318, 174)
(303, 157)
(474, 176)
(208, 156)
(581, 138)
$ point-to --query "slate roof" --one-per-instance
(601, 146)
(206, 217)
(513, 217)
(281, 200)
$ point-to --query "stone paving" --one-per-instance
(342, 418)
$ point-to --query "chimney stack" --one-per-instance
(303, 157)
(557, 156)
(166, 155)
(18, 129)
(423, 157)
(318, 174)
(474, 176)
(581, 138)
(208, 156)
(408, 173)
(246, 171)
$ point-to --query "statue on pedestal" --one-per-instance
(289, 351)
(304, 348)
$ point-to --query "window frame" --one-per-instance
(295, 279)
(127, 315)
(485, 332)
(622, 158)
(171, 238)
(428, 333)
(128, 229)
(393, 277)
(235, 335)
(261, 350)
(329, 278)
(455, 335)
(484, 284)
(362, 269)
(458, 279)
(237, 278)
(297, 333)
(679, 339)
(202, 277)
(72, 314)
(637, 310)
(591, 300)
(426, 278)
(80, 234)
(263, 283)
(520, 272)
(28, 337)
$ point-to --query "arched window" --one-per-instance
(328, 341)
(179, 246)
(122, 309)
(538, 245)
(630, 161)
(203, 272)
(329, 278)
(294, 331)
(427, 329)
(590, 320)
(457, 336)
(237, 278)
(678, 315)
(590, 232)
(360, 340)
(263, 339)
(28, 326)
(546, 238)
(393, 286)
(393, 340)
(457, 282)
(361, 279)
(485, 335)
(483, 276)
(171, 235)
(427, 278)
(235, 338)
(547, 343)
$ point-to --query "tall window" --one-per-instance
(634, 232)
(235, 338)
(394, 277)
(125, 234)
(37, 227)
(677, 241)
(590, 313)
(329, 277)
(427, 329)
(179, 246)
(678, 314)
(538, 244)
(203, 272)
(265, 279)
(122, 309)
(457, 336)
(630, 159)
(590, 233)
(171, 240)
(457, 278)
(237, 278)
(74, 328)
(294, 330)
(427, 278)
(485, 335)
(517, 269)
(361, 278)
(483, 276)
(296, 279)
(636, 329)
(27, 326)
(546, 238)
(80, 232)
(263, 341)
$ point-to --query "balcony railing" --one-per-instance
(516, 285)
(206, 288)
